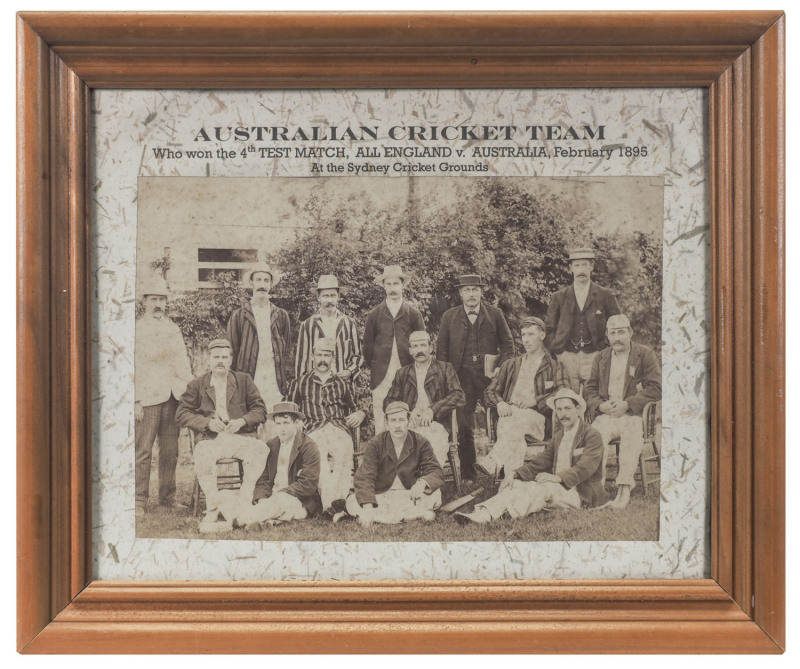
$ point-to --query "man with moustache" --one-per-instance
(576, 319)
(468, 333)
(223, 409)
(431, 389)
(520, 392)
(288, 487)
(259, 333)
(386, 333)
(332, 324)
(625, 377)
(399, 478)
(162, 371)
(327, 402)
(566, 475)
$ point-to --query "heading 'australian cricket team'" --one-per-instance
(292, 427)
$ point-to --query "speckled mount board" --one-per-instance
(167, 164)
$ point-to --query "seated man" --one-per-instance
(399, 477)
(625, 377)
(520, 392)
(327, 402)
(432, 389)
(287, 489)
(224, 410)
(567, 474)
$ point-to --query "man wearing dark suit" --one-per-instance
(566, 475)
(287, 489)
(468, 333)
(576, 319)
(399, 477)
(224, 410)
(625, 377)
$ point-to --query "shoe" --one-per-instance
(462, 518)
(337, 506)
(428, 516)
(211, 516)
(174, 506)
(486, 466)
(480, 517)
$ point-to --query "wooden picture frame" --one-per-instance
(737, 56)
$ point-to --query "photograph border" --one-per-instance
(737, 56)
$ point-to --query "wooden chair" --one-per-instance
(230, 474)
(651, 449)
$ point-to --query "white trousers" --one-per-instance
(528, 497)
(577, 367)
(510, 446)
(251, 451)
(395, 506)
(440, 440)
(628, 429)
(336, 462)
(280, 506)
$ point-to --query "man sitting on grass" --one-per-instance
(567, 474)
(287, 490)
(399, 477)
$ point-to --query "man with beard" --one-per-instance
(576, 319)
(386, 333)
(259, 334)
(468, 334)
(625, 377)
(520, 392)
(327, 402)
(399, 478)
(567, 474)
(161, 374)
(432, 389)
(332, 324)
(224, 410)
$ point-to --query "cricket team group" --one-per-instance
(292, 423)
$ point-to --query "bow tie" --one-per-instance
(472, 313)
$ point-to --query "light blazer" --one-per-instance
(494, 335)
(441, 386)
(304, 464)
(642, 380)
(586, 470)
(600, 304)
(199, 403)
(380, 466)
(380, 330)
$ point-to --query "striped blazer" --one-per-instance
(549, 377)
(348, 346)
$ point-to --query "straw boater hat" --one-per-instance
(581, 253)
(533, 320)
(218, 343)
(396, 407)
(470, 280)
(154, 285)
(285, 408)
(327, 281)
(324, 344)
(263, 267)
(392, 272)
(563, 393)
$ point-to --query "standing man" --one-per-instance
(468, 334)
(329, 323)
(162, 371)
(386, 333)
(520, 392)
(625, 376)
(224, 410)
(259, 334)
(431, 390)
(576, 319)
(327, 402)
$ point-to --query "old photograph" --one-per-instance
(410, 359)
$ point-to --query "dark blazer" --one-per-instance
(243, 336)
(586, 471)
(380, 330)
(380, 465)
(441, 386)
(549, 377)
(304, 463)
(494, 335)
(600, 304)
(642, 381)
(199, 403)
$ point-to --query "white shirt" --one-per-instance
(397, 484)
(616, 375)
(564, 454)
(265, 378)
(423, 401)
(220, 387)
(394, 306)
(282, 473)
(161, 363)
(581, 293)
(472, 317)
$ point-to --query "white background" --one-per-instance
(8, 269)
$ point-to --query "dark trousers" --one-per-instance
(158, 421)
(473, 383)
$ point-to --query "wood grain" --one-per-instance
(737, 55)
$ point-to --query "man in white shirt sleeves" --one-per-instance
(162, 371)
